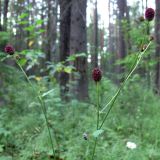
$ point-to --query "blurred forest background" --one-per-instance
(58, 43)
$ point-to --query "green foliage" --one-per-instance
(64, 66)
(31, 58)
(33, 29)
(4, 39)
(23, 134)
(23, 131)
(74, 56)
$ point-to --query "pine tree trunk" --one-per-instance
(121, 38)
(65, 19)
(128, 29)
(142, 6)
(157, 39)
(0, 15)
(51, 30)
(95, 38)
(78, 42)
(111, 41)
(5, 11)
(42, 14)
(20, 43)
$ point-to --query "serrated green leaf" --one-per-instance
(81, 55)
(33, 104)
(23, 15)
(23, 22)
(68, 69)
(97, 133)
(22, 61)
(3, 56)
(48, 92)
(71, 58)
(41, 30)
(30, 28)
(39, 21)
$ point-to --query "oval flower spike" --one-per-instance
(96, 74)
(9, 49)
(149, 14)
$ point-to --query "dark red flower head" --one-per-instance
(96, 74)
(149, 14)
(9, 49)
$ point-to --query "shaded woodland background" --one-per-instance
(58, 47)
(59, 29)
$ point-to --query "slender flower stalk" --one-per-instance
(98, 117)
(98, 104)
(149, 15)
(113, 100)
(94, 148)
(42, 104)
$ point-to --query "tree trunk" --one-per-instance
(20, 43)
(78, 45)
(111, 40)
(110, 27)
(42, 14)
(128, 29)
(0, 15)
(121, 38)
(157, 39)
(65, 20)
(95, 38)
(51, 30)
(142, 6)
(5, 11)
(147, 4)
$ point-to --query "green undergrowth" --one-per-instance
(24, 136)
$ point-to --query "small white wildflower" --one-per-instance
(131, 145)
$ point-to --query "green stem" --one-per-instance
(98, 107)
(98, 104)
(47, 124)
(112, 101)
(42, 104)
(148, 58)
(94, 149)
(119, 89)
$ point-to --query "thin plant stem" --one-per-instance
(114, 98)
(98, 103)
(42, 104)
(86, 152)
(94, 148)
(47, 124)
(55, 135)
(133, 68)
(98, 107)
